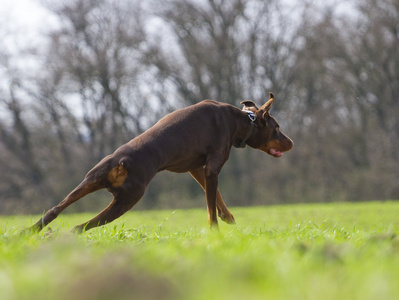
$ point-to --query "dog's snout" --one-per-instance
(287, 143)
(291, 144)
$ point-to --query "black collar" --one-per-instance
(252, 118)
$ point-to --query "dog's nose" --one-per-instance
(290, 144)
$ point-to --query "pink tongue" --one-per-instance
(275, 152)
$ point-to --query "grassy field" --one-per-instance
(319, 251)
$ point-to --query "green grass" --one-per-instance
(318, 251)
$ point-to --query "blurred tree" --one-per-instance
(97, 48)
(225, 50)
(21, 172)
(347, 78)
(371, 66)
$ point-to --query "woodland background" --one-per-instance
(106, 70)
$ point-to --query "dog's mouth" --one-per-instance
(274, 152)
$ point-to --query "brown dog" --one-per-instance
(196, 139)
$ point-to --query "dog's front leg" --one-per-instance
(211, 186)
(224, 213)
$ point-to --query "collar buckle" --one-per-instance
(251, 115)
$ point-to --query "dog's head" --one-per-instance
(268, 136)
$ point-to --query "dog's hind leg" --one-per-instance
(121, 203)
(223, 212)
(85, 187)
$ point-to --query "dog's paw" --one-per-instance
(228, 218)
(77, 230)
(29, 231)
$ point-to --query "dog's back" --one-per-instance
(181, 141)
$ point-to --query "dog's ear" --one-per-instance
(249, 105)
(265, 109)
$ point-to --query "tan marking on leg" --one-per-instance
(117, 176)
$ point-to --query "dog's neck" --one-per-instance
(241, 143)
